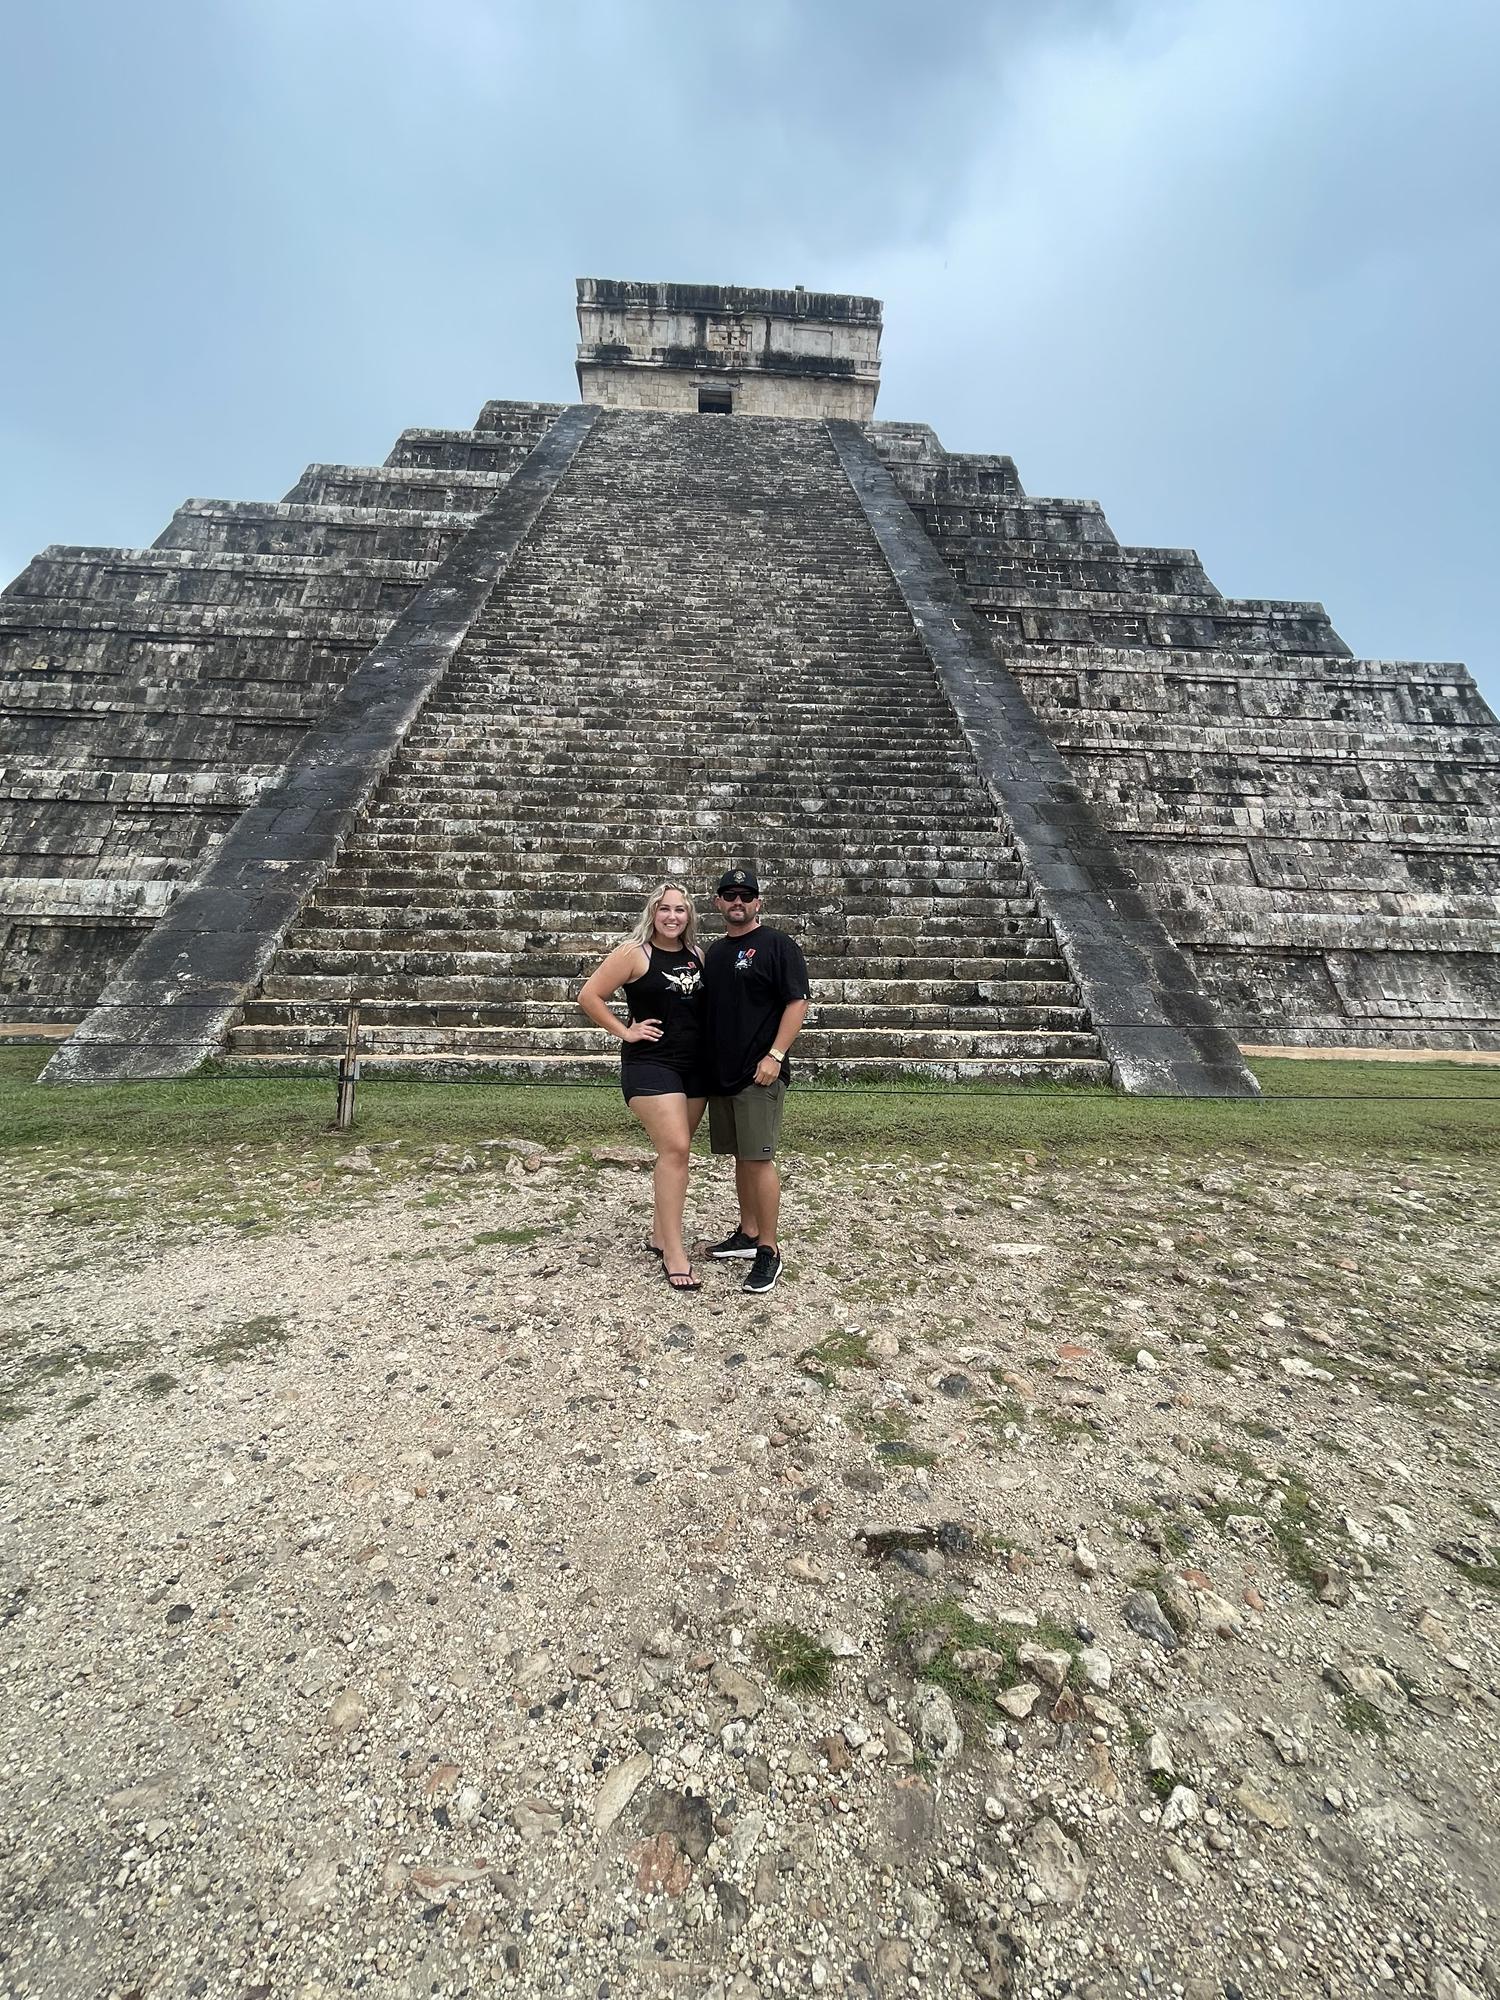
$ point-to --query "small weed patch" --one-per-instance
(1475, 1564)
(238, 1343)
(889, 1431)
(1360, 1717)
(1292, 1524)
(843, 1348)
(54, 1363)
(972, 1659)
(797, 1662)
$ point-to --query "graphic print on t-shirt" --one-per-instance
(744, 958)
(683, 979)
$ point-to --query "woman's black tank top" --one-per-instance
(670, 990)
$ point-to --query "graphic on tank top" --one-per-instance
(684, 979)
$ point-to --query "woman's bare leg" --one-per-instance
(666, 1123)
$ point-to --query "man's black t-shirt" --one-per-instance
(748, 983)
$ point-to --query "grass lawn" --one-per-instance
(1309, 1108)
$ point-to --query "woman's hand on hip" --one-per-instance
(642, 1031)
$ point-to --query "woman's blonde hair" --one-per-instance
(645, 929)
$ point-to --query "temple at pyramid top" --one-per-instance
(732, 349)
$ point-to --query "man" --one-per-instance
(755, 993)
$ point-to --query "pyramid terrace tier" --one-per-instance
(276, 528)
(1320, 833)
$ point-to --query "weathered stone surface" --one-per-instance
(1216, 824)
(618, 1788)
(1156, 1027)
(148, 696)
(1059, 1875)
(1319, 834)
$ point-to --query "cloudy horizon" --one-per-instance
(1227, 266)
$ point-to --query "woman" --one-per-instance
(659, 969)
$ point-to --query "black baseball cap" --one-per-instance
(738, 878)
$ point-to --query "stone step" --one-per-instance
(455, 978)
(534, 766)
(783, 794)
(581, 647)
(382, 1008)
(326, 1036)
(369, 955)
(788, 861)
(871, 1072)
(511, 637)
(990, 855)
(576, 821)
(851, 890)
(618, 907)
(766, 765)
(538, 746)
(582, 701)
(553, 975)
(486, 926)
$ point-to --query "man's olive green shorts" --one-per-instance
(748, 1123)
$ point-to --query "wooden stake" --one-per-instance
(348, 1071)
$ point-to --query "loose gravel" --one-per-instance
(1076, 1578)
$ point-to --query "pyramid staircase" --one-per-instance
(698, 655)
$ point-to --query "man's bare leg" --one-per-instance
(758, 1185)
(743, 1188)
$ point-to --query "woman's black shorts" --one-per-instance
(659, 1079)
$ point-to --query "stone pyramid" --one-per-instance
(426, 734)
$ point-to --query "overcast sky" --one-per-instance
(1228, 266)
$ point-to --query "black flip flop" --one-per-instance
(675, 1278)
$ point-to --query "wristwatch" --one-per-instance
(776, 1055)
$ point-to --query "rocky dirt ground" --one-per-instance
(1079, 1577)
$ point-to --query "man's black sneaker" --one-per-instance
(764, 1272)
(735, 1244)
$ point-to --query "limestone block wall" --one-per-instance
(147, 696)
(1321, 834)
(754, 395)
(781, 353)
